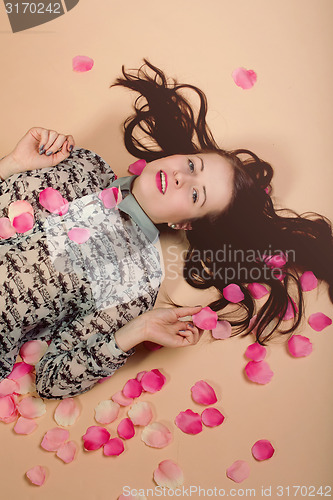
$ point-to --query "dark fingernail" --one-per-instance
(71, 148)
(190, 325)
(49, 153)
(42, 147)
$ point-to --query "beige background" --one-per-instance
(285, 118)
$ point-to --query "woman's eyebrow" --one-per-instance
(204, 189)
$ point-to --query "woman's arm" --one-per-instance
(39, 148)
(68, 370)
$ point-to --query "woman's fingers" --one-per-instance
(51, 143)
(181, 312)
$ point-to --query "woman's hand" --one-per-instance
(162, 326)
(39, 148)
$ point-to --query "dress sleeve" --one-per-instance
(71, 366)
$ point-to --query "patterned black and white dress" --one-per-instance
(74, 295)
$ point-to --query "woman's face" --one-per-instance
(180, 188)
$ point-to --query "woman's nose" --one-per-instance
(181, 179)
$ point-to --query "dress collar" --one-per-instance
(130, 206)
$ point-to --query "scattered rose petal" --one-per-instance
(308, 281)
(67, 412)
(238, 471)
(251, 323)
(151, 346)
(66, 452)
(319, 321)
(257, 290)
(233, 293)
(206, 319)
(31, 407)
(140, 375)
(137, 167)
(119, 398)
(82, 63)
(23, 223)
(256, 352)
(156, 435)
(276, 260)
(95, 437)
(52, 200)
(189, 422)
(244, 78)
(289, 314)
(11, 418)
(36, 475)
(168, 475)
(299, 346)
(19, 207)
(110, 197)
(19, 370)
(126, 429)
(222, 331)
(259, 372)
(25, 426)
(6, 228)
(8, 387)
(26, 384)
(152, 381)
(79, 234)
(54, 438)
(7, 407)
(132, 388)
(203, 393)
(212, 417)
(262, 450)
(113, 447)
(32, 351)
(106, 411)
(140, 413)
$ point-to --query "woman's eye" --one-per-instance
(191, 165)
(195, 195)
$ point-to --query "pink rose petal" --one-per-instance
(140, 413)
(113, 447)
(206, 319)
(20, 369)
(189, 422)
(95, 437)
(6, 228)
(19, 207)
(244, 78)
(299, 346)
(23, 223)
(233, 293)
(25, 426)
(259, 372)
(52, 200)
(11, 418)
(152, 381)
(32, 351)
(106, 412)
(251, 323)
(238, 471)
(119, 398)
(308, 281)
(8, 387)
(110, 197)
(257, 290)
(211, 417)
(222, 331)
(36, 475)
(289, 314)
(26, 384)
(168, 475)
(79, 234)
(156, 435)
(262, 450)
(54, 438)
(203, 393)
(151, 346)
(126, 429)
(7, 407)
(66, 452)
(82, 63)
(137, 167)
(140, 375)
(256, 352)
(31, 407)
(132, 388)
(67, 412)
(319, 321)
(276, 260)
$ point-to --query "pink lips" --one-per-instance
(159, 182)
